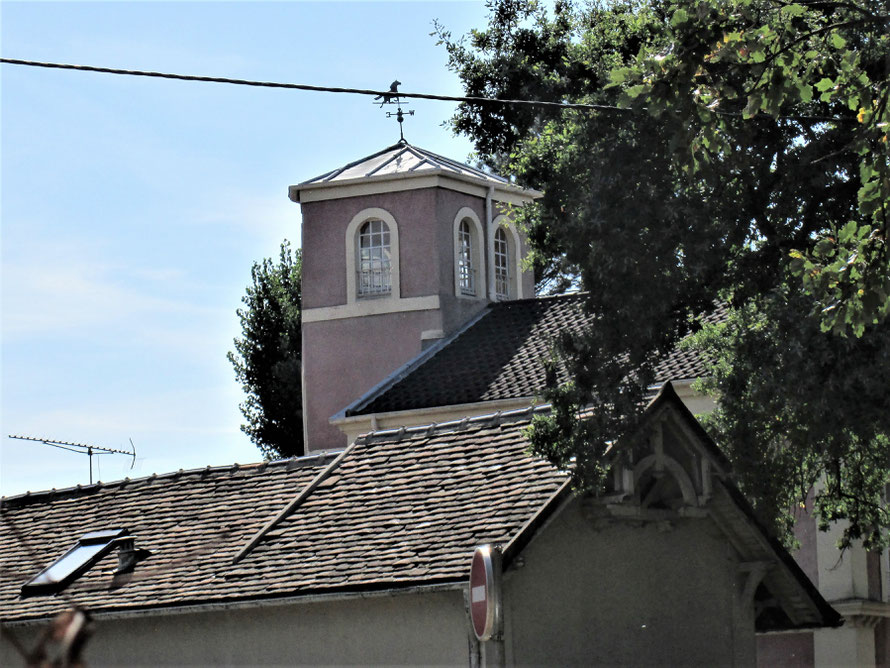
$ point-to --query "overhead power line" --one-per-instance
(376, 93)
(308, 87)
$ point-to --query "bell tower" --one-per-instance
(399, 250)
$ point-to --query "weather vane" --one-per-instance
(392, 97)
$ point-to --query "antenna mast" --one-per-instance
(83, 449)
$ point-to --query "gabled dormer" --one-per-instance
(399, 250)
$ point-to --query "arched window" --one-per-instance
(374, 260)
(502, 274)
(372, 256)
(465, 270)
(469, 261)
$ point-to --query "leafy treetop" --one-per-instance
(745, 161)
(267, 357)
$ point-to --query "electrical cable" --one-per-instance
(379, 93)
(308, 87)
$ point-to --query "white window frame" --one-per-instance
(374, 261)
(515, 290)
(353, 249)
(466, 214)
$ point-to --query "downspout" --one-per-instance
(489, 244)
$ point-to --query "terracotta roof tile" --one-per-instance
(192, 522)
(415, 519)
(444, 490)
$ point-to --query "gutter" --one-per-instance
(199, 608)
(464, 410)
(489, 219)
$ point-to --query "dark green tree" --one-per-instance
(738, 155)
(267, 357)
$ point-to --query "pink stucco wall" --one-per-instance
(425, 219)
(324, 244)
(343, 358)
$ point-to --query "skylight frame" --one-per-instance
(81, 557)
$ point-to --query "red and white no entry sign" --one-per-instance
(485, 604)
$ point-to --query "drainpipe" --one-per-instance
(489, 233)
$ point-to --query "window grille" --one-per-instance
(465, 270)
(375, 266)
(501, 265)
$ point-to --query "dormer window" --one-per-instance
(375, 264)
(501, 265)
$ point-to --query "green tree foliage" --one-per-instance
(267, 357)
(740, 156)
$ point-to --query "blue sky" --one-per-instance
(132, 209)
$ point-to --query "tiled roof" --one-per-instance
(499, 356)
(395, 509)
(408, 507)
(191, 521)
(402, 159)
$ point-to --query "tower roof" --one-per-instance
(406, 167)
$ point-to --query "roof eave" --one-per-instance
(513, 191)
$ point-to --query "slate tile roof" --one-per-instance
(499, 356)
(395, 510)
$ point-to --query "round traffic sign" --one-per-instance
(483, 592)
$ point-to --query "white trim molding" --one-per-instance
(352, 231)
(477, 256)
(371, 306)
(375, 185)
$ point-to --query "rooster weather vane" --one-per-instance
(392, 97)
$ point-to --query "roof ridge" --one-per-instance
(420, 154)
(393, 158)
(326, 176)
(453, 162)
(41, 495)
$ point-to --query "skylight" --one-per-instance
(84, 555)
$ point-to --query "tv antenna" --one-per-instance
(392, 97)
(84, 449)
